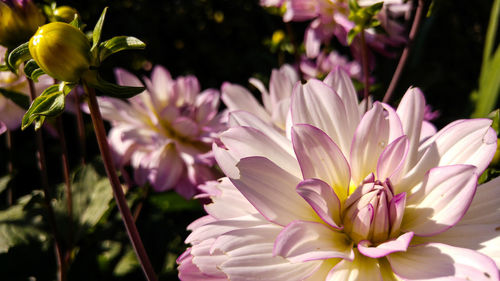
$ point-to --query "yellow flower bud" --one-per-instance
(65, 14)
(18, 22)
(61, 50)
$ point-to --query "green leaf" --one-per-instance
(22, 100)
(375, 8)
(96, 34)
(91, 194)
(77, 22)
(94, 80)
(353, 5)
(32, 70)
(49, 104)
(117, 44)
(18, 56)
(489, 87)
(4, 182)
(495, 117)
(20, 224)
(4, 67)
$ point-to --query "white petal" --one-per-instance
(436, 261)
(441, 201)
(471, 142)
(319, 157)
(392, 160)
(340, 81)
(244, 118)
(322, 199)
(317, 104)
(246, 142)
(362, 268)
(302, 241)
(411, 111)
(370, 139)
(271, 190)
(236, 97)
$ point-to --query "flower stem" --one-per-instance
(421, 6)
(128, 220)
(67, 182)
(366, 68)
(42, 167)
(81, 126)
(10, 165)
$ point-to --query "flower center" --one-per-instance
(369, 213)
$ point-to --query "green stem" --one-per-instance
(128, 220)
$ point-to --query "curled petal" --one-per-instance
(322, 199)
(400, 244)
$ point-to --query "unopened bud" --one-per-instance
(65, 14)
(18, 21)
(61, 50)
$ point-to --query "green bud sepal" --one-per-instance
(32, 70)
(49, 104)
(93, 79)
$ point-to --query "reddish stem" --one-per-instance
(42, 167)
(406, 52)
(128, 220)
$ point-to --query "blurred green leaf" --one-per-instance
(117, 44)
(126, 264)
(91, 194)
(19, 225)
(4, 67)
(489, 86)
(171, 202)
(4, 182)
(22, 100)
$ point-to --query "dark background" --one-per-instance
(189, 37)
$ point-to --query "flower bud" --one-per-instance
(61, 50)
(372, 213)
(18, 21)
(64, 14)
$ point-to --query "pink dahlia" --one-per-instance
(10, 113)
(166, 132)
(330, 18)
(349, 195)
(276, 100)
(324, 63)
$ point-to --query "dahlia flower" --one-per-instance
(349, 195)
(10, 113)
(166, 132)
(276, 100)
(326, 62)
(330, 18)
